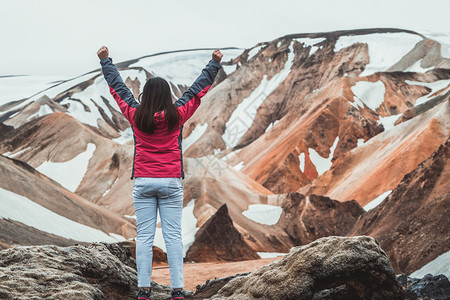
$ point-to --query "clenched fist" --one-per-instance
(217, 55)
(103, 52)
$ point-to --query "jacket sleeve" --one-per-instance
(190, 101)
(121, 93)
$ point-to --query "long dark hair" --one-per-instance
(156, 97)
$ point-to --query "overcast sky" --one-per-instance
(56, 37)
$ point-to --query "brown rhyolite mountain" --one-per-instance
(311, 109)
(412, 224)
(213, 240)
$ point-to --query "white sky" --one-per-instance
(56, 37)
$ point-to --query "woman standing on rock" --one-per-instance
(157, 125)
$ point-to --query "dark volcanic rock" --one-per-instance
(428, 287)
(122, 253)
(306, 219)
(5, 129)
(329, 268)
(211, 287)
(412, 223)
(420, 109)
(219, 240)
(76, 272)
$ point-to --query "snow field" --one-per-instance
(229, 69)
(12, 155)
(69, 173)
(253, 52)
(263, 213)
(244, 114)
(270, 254)
(22, 209)
(385, 49)
(377, 201)
(20, 87)
(388, 122)
(301, 157)
(369, 93)
(440, 265)
(91, 98)
(417, 68)
(322, 164)
(198, 131)
(55, 89)
(181, 67)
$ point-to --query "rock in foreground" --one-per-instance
(428, 287)
(329, 268)
(76, 272)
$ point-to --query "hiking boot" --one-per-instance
(177, 295)
(144, 294)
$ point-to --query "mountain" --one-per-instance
(411, 224)
(296, 137)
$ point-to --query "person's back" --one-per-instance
(157, 126)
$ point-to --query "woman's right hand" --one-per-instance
(103, 53)
(217, 55)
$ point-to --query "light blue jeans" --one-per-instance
(149, 194)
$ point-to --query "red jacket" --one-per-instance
(158, 154)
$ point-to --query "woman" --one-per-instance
(157, 125)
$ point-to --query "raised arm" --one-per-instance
(121, 93)
(190, 101)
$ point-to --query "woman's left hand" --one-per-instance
(103, 52)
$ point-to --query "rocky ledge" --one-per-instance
(329, 268)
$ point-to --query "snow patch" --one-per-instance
(270, 254)
(125, 136)
(388, 122)
(301, 157)
(22, 209)
(69, 173)
(271, 125)
(360, 142)
(310, 42)
(198, 131)
(385, 49)
(440, 265)
(229, 69)
(434, 86)
(375, 202)
(244, 114)
(416, 67)
(12, 155)
(253, 52)
(322, 164)
(239, 166)
(263, 213)
(369, 93)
